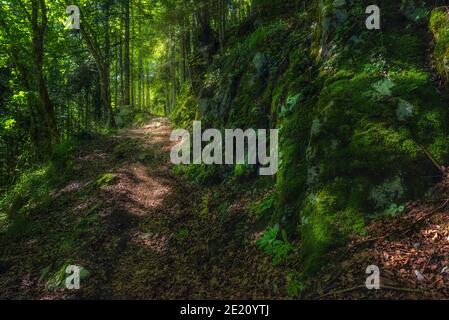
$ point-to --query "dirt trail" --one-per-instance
(141, 231)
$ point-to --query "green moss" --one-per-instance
(353, 107)
(326, 223)
(31, 185)
(186, 109)
(355, 150)
(439, 25)
(33, 189)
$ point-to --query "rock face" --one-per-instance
(354, 107)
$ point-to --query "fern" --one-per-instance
(269, 243)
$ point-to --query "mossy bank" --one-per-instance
(356, 109)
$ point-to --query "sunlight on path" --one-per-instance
(140, 188)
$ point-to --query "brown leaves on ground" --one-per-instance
(141, 231)
(411, 250)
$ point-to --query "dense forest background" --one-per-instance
(363, 119)
(126, 58)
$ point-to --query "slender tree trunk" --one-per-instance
(126, 63)
(107, 69)
(102, 62)
(116, 70)
(140, 68)
(132, 68)
(39, 25)
(122, 74)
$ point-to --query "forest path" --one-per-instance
(141, 231)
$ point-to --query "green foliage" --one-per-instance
(186, 109)
(386, 193)
(223, 212)
(35, 188)
(202, 174)
(326, 223)
(352, 110)
(394, 210)
(182, 234)
(294, 284)
(257, 39)
(264, 207)
(204, 212)
(7, 124)
(415, 10)
(244, 171)
(439, 25)
(383, 87)
(32, 189)
(126, 117)
(280, 249)
(103, 180)
(56, 280)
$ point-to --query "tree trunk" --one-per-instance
(107, 66)
(102, 63)
(126, 64)
(39, 25)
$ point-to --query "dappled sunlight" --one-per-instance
(73, 186)
(157, 131)
(152, 241)
(137, 185)
(139, 188)
(214, 149)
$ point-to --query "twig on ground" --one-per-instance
(364, 287)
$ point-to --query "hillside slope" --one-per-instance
(363, 120)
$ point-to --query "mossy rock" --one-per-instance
(353, 108)
(439, 25)
(354, 152)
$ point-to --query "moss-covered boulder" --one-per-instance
(376, 110)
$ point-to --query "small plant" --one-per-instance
(294, 284)
(223, 212)
(205, 205)
(182, 234)
(394, 210)
(264, 207)
(57, 279)
(104, 180)
(272, 245)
